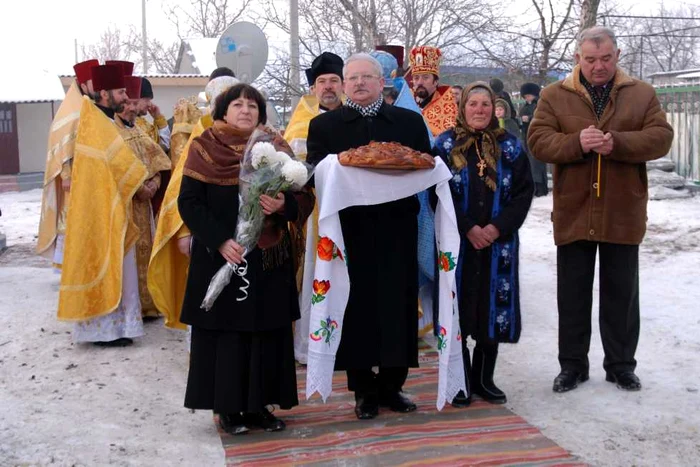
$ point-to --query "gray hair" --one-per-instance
(597, 34)
(364, 57)
(479, 90)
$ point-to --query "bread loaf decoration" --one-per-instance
(380, 155)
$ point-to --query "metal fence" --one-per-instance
(682, 106)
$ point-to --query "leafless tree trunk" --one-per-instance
(589, 13)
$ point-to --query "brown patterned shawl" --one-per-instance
(466, 136)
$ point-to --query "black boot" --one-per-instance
(483, 365)
(461, 400)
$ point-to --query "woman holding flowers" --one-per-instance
(242, 355)
(492, 191)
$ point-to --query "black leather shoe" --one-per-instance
(397, 402)
(121, 342)
(366, 406)
(626, 380)
(461, 401)
(568, 380)
(233, 424)
(265, 420)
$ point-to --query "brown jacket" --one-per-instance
(640, 133)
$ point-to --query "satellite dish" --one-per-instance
(243, 49)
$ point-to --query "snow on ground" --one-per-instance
(62, 404)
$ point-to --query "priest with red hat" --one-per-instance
(99, 289)
(156, 160)
(110, 89)
(59, 160)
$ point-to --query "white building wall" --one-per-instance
(33, 124)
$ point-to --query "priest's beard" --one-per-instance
(118, 108)
(421, 92)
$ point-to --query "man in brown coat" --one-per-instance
(599, 127)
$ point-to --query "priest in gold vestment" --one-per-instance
(99, 284)
(167, 271)
(59, 160)
(156, 161)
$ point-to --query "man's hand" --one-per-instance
(65, 184)
(478, 238)
(145, 192)
(591, 139)
(607, 147)
(525, 118)
(272, 205)
(153, 110)
(491, 233)
(232, 251)
(183, 244)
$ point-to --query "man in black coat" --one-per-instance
(381, 318)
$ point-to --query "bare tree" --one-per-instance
(206, 18)
(110, 46)
(589, 13)
(670, 40)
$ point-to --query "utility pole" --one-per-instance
(294, 50)
(75, 46)
(144, 38)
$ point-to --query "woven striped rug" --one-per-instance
(329, 434)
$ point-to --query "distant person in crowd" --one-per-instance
(456, 92)
(599, 127)
(499, 90)
(502, 112)
(531, 93)
(492, 192)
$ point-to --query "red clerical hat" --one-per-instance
(133, 87)
(395, 50)
(127, 67)
(107, 77)
(82, 70)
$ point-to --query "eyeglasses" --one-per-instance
(363, 78)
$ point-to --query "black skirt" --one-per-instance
(233, 371)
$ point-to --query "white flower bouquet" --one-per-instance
(264, 171)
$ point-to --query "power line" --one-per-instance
(650, 17)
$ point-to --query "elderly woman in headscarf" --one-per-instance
(492, 191)
(242, 352)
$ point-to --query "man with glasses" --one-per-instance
(380, 325)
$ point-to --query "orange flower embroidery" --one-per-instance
(325, 249)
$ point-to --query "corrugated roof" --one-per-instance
(30, 87)
(693, 75)
(673, 72)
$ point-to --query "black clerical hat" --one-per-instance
(324, 64)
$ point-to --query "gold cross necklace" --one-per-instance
(481, 165)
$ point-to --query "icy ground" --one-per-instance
(62, 404)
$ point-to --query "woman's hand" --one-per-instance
(478, 238)
(232, 251)
(272, 205)
(491, 232)
(183, 244)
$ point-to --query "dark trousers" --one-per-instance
(387, 381)
(619, 303)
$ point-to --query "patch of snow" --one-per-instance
(125, 406)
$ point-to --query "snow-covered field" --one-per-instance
(62, 404)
